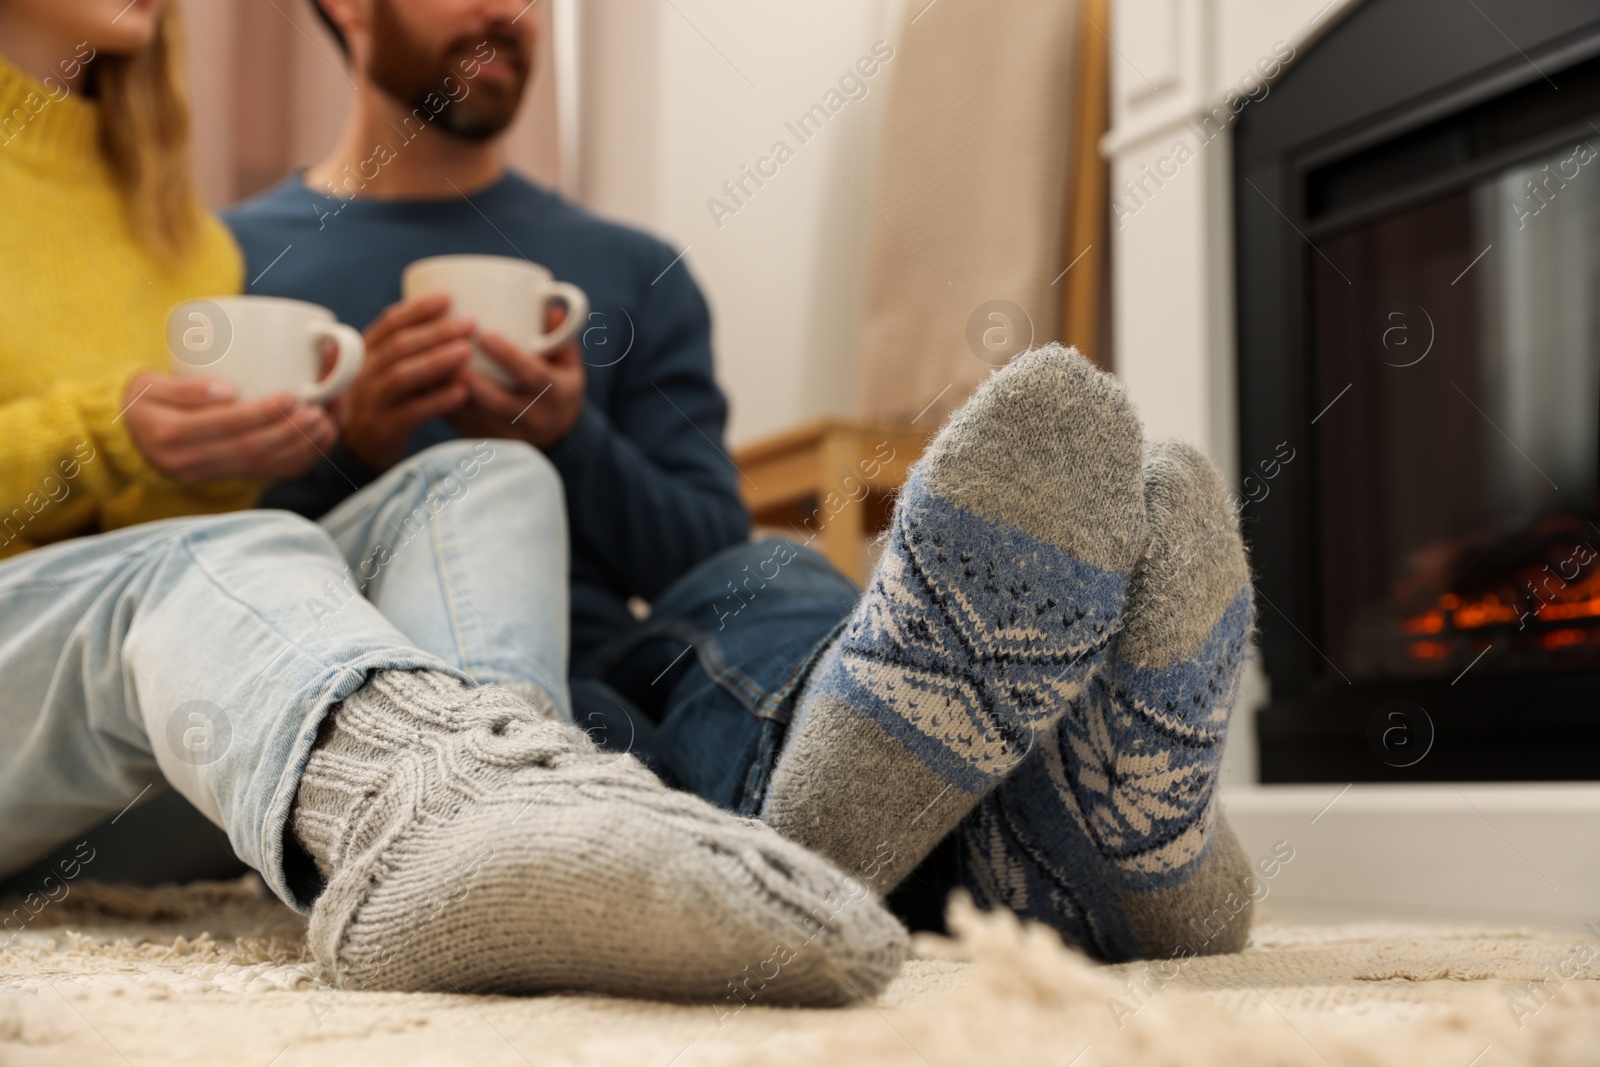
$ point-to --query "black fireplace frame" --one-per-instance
(1399, 102)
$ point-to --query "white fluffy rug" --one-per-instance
(217, 974)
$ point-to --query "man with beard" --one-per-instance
(986, 711)
(629, 412)
(632, 418)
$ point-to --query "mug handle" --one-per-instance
(352, 351)
(577, 313)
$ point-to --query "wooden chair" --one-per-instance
(830, 483)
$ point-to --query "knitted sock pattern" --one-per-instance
(1109, 832)
(992, 607)
(472, 842)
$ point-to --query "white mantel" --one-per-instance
(1173, 62)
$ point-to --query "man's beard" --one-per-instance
(403, 67)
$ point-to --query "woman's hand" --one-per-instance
(194, 430)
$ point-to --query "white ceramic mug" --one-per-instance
(503, 295)
(264, 345)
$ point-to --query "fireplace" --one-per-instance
(1418, 262)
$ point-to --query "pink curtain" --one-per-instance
(268, 90)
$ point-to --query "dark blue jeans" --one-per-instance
(703, 690)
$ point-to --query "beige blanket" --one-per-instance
(967, 201)
(217, 975)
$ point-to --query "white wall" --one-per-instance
(1172, 286)
(619, 105)
(677, 96)
(783, 275)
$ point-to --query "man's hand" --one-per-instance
(412, 374)
(193, 430)
(544, 403)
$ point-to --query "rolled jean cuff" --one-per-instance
(775, 741)
(299, 889)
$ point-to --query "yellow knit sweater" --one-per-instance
(83, 306)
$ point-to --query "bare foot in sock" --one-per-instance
(472, 843)
(990, 611)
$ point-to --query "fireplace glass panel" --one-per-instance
(1458, 343)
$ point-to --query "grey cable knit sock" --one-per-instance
(990, 611)
(471, 842)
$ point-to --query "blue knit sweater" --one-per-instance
(650, 491)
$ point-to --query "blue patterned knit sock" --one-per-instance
(1110, 832)
(993, 605)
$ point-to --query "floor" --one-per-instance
(217, 974)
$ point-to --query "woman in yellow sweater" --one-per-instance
(101, 236)
(371, 706)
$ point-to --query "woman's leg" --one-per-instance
(464, 548)
(461, 839)
(185, 650)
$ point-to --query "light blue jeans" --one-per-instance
(204, 653)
